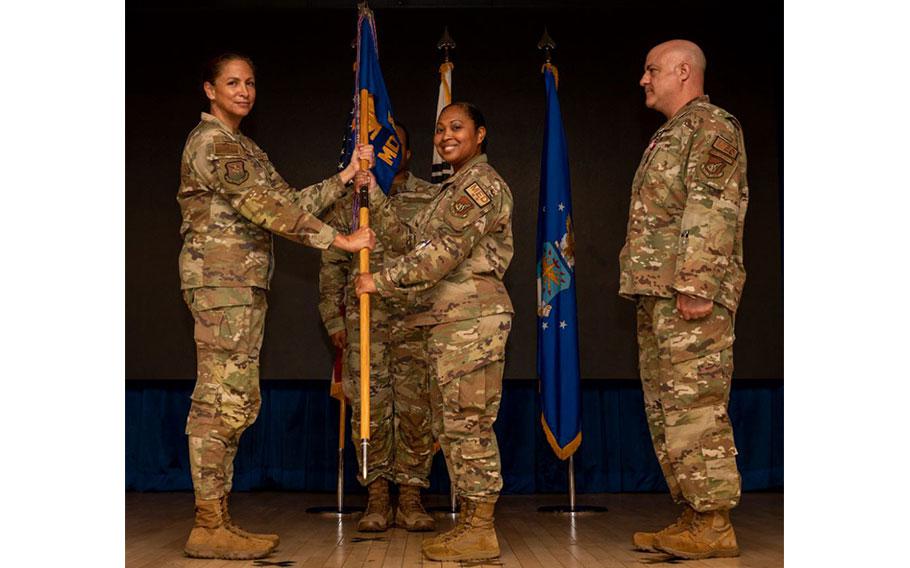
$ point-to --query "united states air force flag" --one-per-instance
(382, 135)
(557, 332)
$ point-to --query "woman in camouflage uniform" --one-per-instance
(459, 248)
(232, 200)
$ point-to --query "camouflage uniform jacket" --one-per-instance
(458, 249)
(689, 199)
(232, 199)
(338, 267)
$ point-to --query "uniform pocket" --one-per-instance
(687, 340)
(223, 317)
(483, 344)
(475, 449)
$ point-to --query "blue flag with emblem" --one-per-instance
(382, 134)
(557, 319)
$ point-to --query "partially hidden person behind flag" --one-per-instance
(232, 200)
(459, 248)
(683, 265)
(401, 440)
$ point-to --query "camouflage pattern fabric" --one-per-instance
(686, 369)
(408, 366)
(232, 200)
(688, 206)
(228, 331)
(401, 442)
(459, 247)
(686, 217)
(467, 359)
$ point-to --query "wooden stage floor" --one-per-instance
(157, 525)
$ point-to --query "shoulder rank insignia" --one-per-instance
(461, 207)
(235, 172)
(477, 195)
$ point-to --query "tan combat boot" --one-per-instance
(410, 514)
(465, 508)
(270, 538)
(709, 535)
(475, 541)
(378, 515)
(211, 538)
(644, 541)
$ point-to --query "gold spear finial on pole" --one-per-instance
(445, 44)
(546, 43)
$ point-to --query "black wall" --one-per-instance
(304, 78)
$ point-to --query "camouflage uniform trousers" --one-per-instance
(466, 367)
(228, 331)
(401, 439)
(686, 368)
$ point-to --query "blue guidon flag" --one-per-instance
(382, 134)
(557, 316)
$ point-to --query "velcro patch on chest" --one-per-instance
(462, 206)
(227, 148)
(477, 195)
(235, 172)
(725, 150)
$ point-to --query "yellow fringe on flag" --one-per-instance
(561, 453)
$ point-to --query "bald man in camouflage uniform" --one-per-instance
(683, 264)
(232, 199)
(401, 440)
(453, 274)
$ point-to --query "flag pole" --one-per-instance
(440, 170)
(342, 414)
(339, 509)
(445, 44)
(547, 44)
(364, 221)
(364, 298)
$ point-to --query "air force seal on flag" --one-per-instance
(553, 276)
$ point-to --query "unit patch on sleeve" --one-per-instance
(235, 172)
(462, 206)
(477, 195)
(714, 167)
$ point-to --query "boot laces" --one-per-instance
(411, 503)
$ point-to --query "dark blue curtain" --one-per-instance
(292, 446)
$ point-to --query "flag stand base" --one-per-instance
(572, 509)
(331, 511)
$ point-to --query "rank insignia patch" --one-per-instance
(461, 207)
(477, 195)
(235, 172)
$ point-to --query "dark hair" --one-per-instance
(476, 117)
(407, 134)
(213, 67)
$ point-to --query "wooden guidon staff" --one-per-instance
(363, 138)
